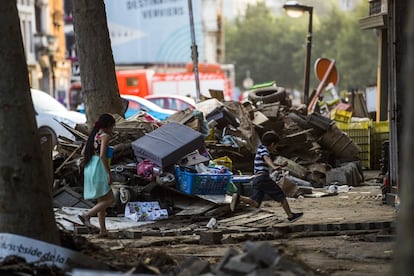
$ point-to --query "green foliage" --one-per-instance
(273, 47)
(359, 57)
(264, 46)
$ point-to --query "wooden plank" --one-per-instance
(75, 133)
(266, 222)
(250, 220)
(245, 215)
(195, 208)
(70, 214)
(235, 218)
(67, 159)
(190, 204)
(217, 199)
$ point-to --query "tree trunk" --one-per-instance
(25, 200)
(97, 67)
(404, 254)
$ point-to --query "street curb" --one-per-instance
(323, 227)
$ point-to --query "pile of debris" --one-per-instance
(176, 153)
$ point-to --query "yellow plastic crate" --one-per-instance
(381, 127)
(360, 125)
(355, 125)
(380, 133)
(341, 116)
(365, 147)
(342, 126)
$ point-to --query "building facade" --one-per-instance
(42, 26)
(28, 28)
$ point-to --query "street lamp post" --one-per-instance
(295, 9)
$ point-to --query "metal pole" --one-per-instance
(393, 104)
(321, 85)
(308, 58)
(194, 53)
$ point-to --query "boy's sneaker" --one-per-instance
(235, 199)
(295, 217)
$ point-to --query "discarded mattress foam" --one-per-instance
(168, 144)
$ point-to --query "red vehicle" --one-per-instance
(144, 82)
(134, 82)
(184, 84)
(172, 102)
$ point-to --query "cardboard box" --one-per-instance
(145, 211)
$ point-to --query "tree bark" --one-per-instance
(25, 200)
(97, 67)
(404, 254)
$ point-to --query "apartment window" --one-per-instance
(38, 15)
(30, 42)
(24, 33)
(132, 82)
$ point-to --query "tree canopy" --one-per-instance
(272, 47)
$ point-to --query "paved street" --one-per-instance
(346, 234)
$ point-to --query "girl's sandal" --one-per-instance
(85, 222)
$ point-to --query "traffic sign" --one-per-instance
(326, 73)
(321, 68)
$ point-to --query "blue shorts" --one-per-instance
(264, 185)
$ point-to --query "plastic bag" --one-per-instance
(145, 169)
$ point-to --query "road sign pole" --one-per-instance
(321, 85)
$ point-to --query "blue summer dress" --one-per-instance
(96, 181)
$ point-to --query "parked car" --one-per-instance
(138, 104)
(173, 102)
(49, 112)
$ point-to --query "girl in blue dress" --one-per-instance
(97, 177)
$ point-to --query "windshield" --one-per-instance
(43, 102)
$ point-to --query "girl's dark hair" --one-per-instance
(104, 121)
(270, 137)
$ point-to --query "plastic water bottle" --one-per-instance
(212, 223)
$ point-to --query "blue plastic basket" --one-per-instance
(202, 183)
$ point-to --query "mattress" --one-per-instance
(167, 144)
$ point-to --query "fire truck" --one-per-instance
(143, 82)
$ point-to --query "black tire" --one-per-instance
(124, 195)
(267, 95)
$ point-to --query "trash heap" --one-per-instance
(206, 150)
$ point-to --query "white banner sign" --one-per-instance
(35, 251)
(153, 31)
